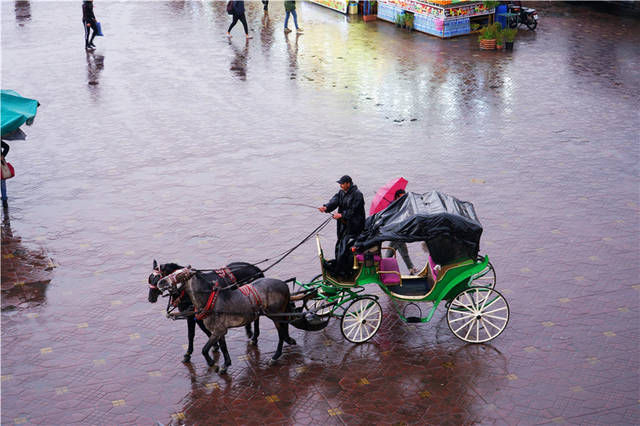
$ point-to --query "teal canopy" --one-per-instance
(16, 111)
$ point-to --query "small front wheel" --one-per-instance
(486, 278)
(361, 320)
(478, 314)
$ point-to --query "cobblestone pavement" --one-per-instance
(172, 142)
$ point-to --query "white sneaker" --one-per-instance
(287, 30)
(299, 30)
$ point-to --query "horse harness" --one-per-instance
(225, 274)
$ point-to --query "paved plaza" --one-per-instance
(171, 142)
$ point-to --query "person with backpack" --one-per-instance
(90, 23)
(236, 9)
(290, 9)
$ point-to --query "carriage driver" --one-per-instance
(350, 217)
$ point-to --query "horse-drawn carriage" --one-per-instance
(453, 273)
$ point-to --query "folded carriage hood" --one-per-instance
(449, 226)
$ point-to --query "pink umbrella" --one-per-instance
(384, 196)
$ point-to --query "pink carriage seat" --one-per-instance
(360, 258)
(389, 265)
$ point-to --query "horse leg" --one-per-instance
(225, 353)
(206, 331)
(290, 340)
(191, 332)
(247, 329)
(256, 331)
(213, 339)
(281, 337)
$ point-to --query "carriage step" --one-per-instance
(414, 319)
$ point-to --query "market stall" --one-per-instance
(339, 5)
(441, 18)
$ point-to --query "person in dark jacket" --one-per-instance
(3, 183)
(238, 15)
(90, 24)
(350, 216)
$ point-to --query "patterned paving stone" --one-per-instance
(544, 141)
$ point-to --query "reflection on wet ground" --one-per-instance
(172, 142)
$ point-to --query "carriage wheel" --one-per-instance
(320, 307)
(478, 314)
(488, 278)
(361, 320)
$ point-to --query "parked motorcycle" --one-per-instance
(522, 15)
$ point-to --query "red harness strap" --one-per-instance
(211, 303)
(175, 301)
(250, 292)
(227, 275)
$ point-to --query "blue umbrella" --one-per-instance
(16, 111)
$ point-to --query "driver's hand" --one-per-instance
(323, 209)
(337, 216)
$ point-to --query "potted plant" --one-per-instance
(499, 40)
(509, 37)
(400, 20)
(487, 38)
(408, 21)
(369, 10)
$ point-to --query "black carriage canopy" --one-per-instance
(450, 227)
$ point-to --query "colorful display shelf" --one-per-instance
(443, 19)
(339, 5)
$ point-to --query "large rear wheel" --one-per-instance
(478, 314)
(361, 320)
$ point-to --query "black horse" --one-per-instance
(223, 306)
(243, 272)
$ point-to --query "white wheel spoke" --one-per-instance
(491, 324)
(477, 330)
(466, 316)
(495, 310)
(473, 306)
(350, 326)
(458, 303)
(484, 301)
(464, 325)
(492, 302)
(494, 317)
(466, 336)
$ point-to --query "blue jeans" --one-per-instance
(295, 19)
(3, 186)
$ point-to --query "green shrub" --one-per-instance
(510, 34)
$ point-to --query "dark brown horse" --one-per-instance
(222, 306)
(243, 273)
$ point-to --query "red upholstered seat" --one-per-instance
(389, 264)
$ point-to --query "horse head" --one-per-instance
(158, 273)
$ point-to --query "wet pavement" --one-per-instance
(171, 142)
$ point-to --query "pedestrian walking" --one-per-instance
(90, 24)
(290, 9)
(3, 182)
(238, 15)
(350, 219)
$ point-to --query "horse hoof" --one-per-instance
(223, 371)
(253, 342)
(290, 341)
(216, 368)
(249, 335)
(272, 361)
(186, 359)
